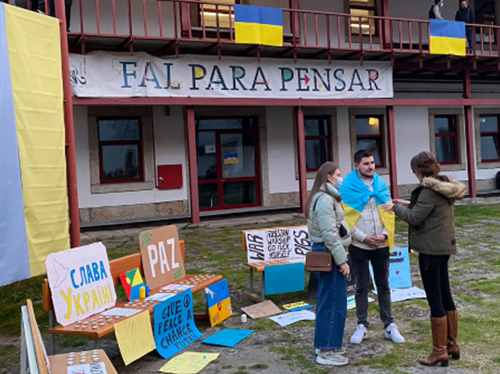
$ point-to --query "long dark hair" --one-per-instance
(328, 168)
(426, 164)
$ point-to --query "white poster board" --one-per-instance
(280, 243)
(80, 282)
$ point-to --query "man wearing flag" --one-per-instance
(363, 192)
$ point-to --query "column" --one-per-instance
(391, 140)
(301, 156)
(469, 138)
(193, 166)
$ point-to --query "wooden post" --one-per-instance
(391, 140)
(469, 137)
(193, 166)
(301, 156)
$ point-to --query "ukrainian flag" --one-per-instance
(355, 196)
(33, 193)
(258, 25)
(447, 37)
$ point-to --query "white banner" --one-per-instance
(103, 74)
(287, 243)
(80, 282)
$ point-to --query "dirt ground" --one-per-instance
(289, 350)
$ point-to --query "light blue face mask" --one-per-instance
(339, 183)
(441, 5)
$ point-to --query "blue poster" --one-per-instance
(227, 337)
(284, 278)
(174, 324)
(399, 269)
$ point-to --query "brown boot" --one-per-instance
(439, 337)
(453, 348)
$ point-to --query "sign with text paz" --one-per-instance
(284, 278)
(161, 256)
(135, 337)
(281, 243)
(218, 302)
(80, 282)
(174, 324)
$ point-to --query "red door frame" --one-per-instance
(219, 180)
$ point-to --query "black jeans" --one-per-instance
(379, 259)
(434, 272)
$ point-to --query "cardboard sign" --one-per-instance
(351, 281)
(284, 278)
(264, 309)
(227, 337)
(80, 282)
(399, 269)
(289, 318)
(295, 307)
(174, 324)
(161, 256)
(189, 363)
(277, 244)
(406, 294)
(135, 337)
(132, 283)
(218, 302)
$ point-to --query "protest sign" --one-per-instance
(351, 302)
(284, 243)
(227, 337)
(80, 282)
(135, 337)
(161, 256)
(132, 283)
(295, 307)
(284, 278)
(189, 363)
(174, 324)
(264, 309)
(406, 294)
(399, 269)
(218, 302)
(292, 317)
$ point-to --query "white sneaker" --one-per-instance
(340, 351)
(331, 358)
(359, 334)
(391, 332)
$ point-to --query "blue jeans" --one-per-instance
(331, 307)
(468, 33)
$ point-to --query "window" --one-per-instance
(446, 139)
(317, 139)
(120, 150)
(490, 138)
(363, 8)
(485, 15)
(369, 136)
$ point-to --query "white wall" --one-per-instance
(169, 149)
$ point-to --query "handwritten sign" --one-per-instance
(289, 318)
(80, 282)
(218, 302)
(277, 244)
(399, 269)
(227, 337)
(174, 325)
(264, 309)
(161, 256)
(135, 337)
(295, 307)
(132, 283)
(189, 363)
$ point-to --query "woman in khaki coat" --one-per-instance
(431, 218)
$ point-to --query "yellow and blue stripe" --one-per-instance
(355, 195)
(33, 193)
(447, 37)
(258, 25)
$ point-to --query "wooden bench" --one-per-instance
(118, 267)
(33, 356)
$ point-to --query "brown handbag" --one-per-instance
(319, 262)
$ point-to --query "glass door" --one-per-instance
(228, 173)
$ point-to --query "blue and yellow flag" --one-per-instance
(447, 37)
(33, 193)
(258, 25)
(355, 196)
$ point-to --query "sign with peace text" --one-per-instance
(161, 256)
(280, 243)
(105, 74)
(218, 302)
(80, 282)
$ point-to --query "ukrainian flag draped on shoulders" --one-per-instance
(355, 195)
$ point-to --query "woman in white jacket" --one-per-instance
(324, 214)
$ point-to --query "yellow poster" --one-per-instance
(135, 337)
(189, 363)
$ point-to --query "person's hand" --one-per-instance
(405, 203)
(381, 239)
(387, 207)
(371, 241)
(344, 269)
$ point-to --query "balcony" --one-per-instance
(173, 27)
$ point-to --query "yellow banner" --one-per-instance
(35, 61)
(220, 312)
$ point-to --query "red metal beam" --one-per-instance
(301, 156)
(391, 140)
(193, 166)
(469, 138)
(194, 101)
(72, 181)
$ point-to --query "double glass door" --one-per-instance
(228, 172)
